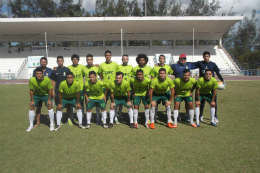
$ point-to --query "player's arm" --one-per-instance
(151, 96)
(60, 99)
(172, 94)
(192, 89)
(101, 76)
(216, 69)
(77, 103)
(214, 93)
(49, 99)
(197, 103)
(85, 93)
(32, 101)
(112, 99)
(129, 98)
(132, 88)
(53, 86)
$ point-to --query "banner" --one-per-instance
(168, 58)
(39, 48)
(34, 61)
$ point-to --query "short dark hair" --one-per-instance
(162, 55)
(38, 69)
(69, 73)
(142, 56)
(208, 70)
(43, 58)
(92, 72)
(206, 53)
(74, 56)
(58, 57)
(162, 69)
(139, 70)
(119, 73)
(186, 71)
(108, 51)
(125, 55)
(89, 55)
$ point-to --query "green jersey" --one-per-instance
(119, 90)
(87, 69)
(147, 70)
(161, 87)
(155, 70)
(78, 73)
(95, 89)
(183, 89)
(40, 88)
(140, 88)
(127, 71)
(108, 71)
(69, 91)
(206, 87)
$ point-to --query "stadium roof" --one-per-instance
(106, 28)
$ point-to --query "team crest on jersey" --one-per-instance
(64, 73)
(46, 74)
(187, 67)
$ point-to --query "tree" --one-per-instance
(175, 9)
(202, 8)
(162, 8)
(68, 9)
(150, 7)
(1, 6)
(134, 9)
(228, 37)
(121, 8)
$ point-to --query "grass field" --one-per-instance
(233, 146)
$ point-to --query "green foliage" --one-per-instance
(250, 60)
(202, 8)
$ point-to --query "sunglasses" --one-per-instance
(183, 58)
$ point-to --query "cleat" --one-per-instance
(70, 122)
(98, 121)
(57, 127)
(117, 122)
(136, 125)
(193, 125)
(87, 126)
(201, 118)
(105, 126)
(82, 127)
(174, 125)
(198, 125)
(110, 125)
(170, 125)
(188, 118)
(147, 125)
(29, 129)
(213, 124)
(51, 128)
(152, 126)
(216, 119)
(132, 125)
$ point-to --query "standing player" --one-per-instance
(46, 72)
(184, 87)
(206, 89)
(95, 96)
(158, 92)
(140, 86)
(203, 65)
(142, 60)
(40, 91)
(58, 75)
(155, 70)
(78, 72)
(127, 73)
(91, 67)
(120, 94)
(69, 95)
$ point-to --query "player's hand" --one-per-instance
(168, 103)
(157, 64)
(96, 65)
(129, 103)
(197, 103)
(112, 105)
(212, 104)
(153, 103)
(78, 106)
(60, 107)
(54, 68)
(32, 104)
(49, 103)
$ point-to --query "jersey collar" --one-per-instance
(108, 63)
(184, 81)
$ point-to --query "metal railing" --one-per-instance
(21, 68)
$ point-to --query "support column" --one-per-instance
(220, 43)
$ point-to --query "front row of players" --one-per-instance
(159, 90)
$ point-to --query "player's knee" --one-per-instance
(136, 107)
(32, 108)
(103, 110)
(146, 106)
(49, 107)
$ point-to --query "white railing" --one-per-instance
(21, 68)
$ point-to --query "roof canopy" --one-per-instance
(109, 28)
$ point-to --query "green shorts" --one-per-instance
(207, 97)
(169, 95)
(158, 98)
(39, 99)
(93, 102)
(69, 101)
(81, 96)
(186, 99)
(108, 93)
(138, 99)
(121, 101)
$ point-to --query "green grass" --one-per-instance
(231, 147)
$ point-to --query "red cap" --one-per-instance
(182, 56)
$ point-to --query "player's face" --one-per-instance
(92, 78)
(206, 57)
(69, 79)
(125, 59)
(182, 60)
(142, 62)
(119, 79)
(140, 76)
(60, 62)
(162, 75)
(90, 61)
(108, 57)
(75, 61)
(161, 59)
(186, 76)
(38, 75)
(43, 63)
(208, 75)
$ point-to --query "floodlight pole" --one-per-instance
(122, 42)
(46, 45)
(145, 8)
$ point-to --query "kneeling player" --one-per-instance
(96, 96)
(140, 86)
(206, 89)
(184, 87)
(120, 94)
(158, 92)
(69, 94)
(40, 91)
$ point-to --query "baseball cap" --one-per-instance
(182, 56)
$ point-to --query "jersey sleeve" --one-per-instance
(85, 85)
(49, 84)
(153, 73)
(170, 71)
(171, 84)
(104, 85)
(60, 88)
(31, 84)
(53, 77)
(198, 85)
(153, 83)
(78, 87)
(195, 65)
(111, 87)
(215, 86)
(175, 82)
(100, 70)
(117, 67)
(131, 82)
(128, 88)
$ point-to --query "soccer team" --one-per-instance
(124, 86)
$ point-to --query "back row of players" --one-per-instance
(123, 83)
